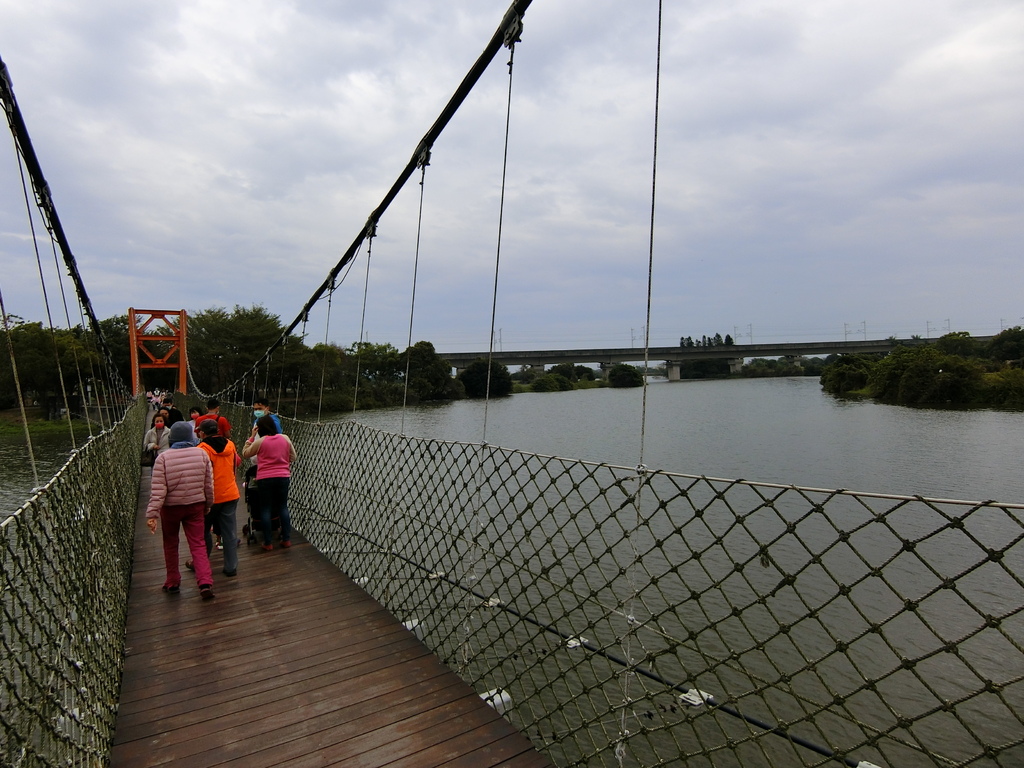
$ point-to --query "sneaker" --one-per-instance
(268, 547)
(230, 573)
(190, 565)
(206, 591)
(173, 588)
(285, 544)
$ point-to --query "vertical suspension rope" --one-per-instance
(74, 347)
(17, 389)
(632, 624)
(103, 389)
(371, 232)
(323, 368)
(298, 368)
(511, 37)
(46, 298)
(424, 162)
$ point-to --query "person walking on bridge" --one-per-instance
(213, 412)
(181, 495)
(274, 453)
(221, 519)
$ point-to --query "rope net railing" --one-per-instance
(769, 625)
(65, 558)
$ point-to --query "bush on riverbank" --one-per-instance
(956, 370)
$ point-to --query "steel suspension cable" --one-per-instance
(511, 19)
(362, 320)
(298, 371)
(424, 162)
(511, 38)
(513, 31)
(323, 368)
(17, 389)
(74, 347)
(46, 299)
(632, 623)
(44, 202)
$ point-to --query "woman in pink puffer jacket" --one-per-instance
(182, 494)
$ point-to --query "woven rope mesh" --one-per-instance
(66, 561)
(649, 618)
(631, 618)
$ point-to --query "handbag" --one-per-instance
(148, 457)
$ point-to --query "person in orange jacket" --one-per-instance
(221, 517)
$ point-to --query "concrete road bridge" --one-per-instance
(673, 357)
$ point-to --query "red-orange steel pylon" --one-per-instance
(171, 336)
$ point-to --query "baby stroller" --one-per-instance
(254, 527)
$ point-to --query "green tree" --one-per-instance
(1007, 345)
(623, 375)
(565, 370)
(222, 346)
(115, 333)
(958, 343)
(924, 375)
(43, 356)
(848, 373)
(430, 375)
(474, 379)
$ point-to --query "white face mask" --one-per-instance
(258, 414)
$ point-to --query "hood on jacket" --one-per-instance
(216, 442)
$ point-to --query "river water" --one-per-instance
(769, 430)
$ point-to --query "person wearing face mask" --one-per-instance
(158, 437)
(260, 408)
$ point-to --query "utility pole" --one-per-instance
(846, 333)
(927, 329)
(864, 327)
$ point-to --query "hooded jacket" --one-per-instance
(225, 461)
(181, 475)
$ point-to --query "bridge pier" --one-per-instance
(673, 370)
(736, 364)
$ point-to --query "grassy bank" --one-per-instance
(10, 422)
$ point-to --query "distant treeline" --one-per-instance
(955, 370)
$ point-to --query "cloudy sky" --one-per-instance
(824, 169)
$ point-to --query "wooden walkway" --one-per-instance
(291, 665)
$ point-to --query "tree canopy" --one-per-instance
(474, 379)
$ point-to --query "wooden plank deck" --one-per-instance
(291, 664)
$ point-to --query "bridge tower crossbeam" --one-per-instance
(165, 327)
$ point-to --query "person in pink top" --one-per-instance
(274, 454)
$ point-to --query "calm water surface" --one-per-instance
(772, 430)
(16, 481)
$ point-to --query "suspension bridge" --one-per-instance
(465, 604)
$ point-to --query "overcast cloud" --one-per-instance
(824, 168)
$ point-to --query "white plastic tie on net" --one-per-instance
(695, 698)
(576, 642)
